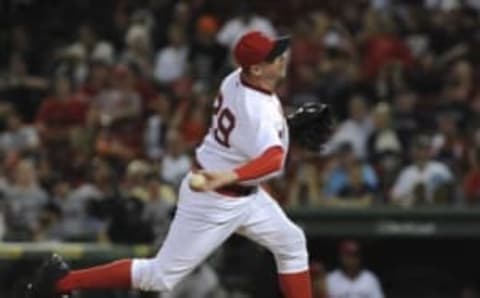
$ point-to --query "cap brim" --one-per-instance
(280, 46)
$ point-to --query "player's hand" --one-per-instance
(214, 180)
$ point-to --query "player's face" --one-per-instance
(277, 69)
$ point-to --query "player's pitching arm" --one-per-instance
(267, 163)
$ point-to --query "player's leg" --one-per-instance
(188, 243)
(190, 240)
(270, 227)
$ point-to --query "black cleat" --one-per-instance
(46, 277)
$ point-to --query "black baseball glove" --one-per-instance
(311, 125)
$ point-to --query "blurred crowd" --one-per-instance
(102, 104)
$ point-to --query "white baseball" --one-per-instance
(197, 181)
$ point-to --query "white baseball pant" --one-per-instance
(204, 220)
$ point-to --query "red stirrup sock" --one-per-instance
(296, 285)
(116, 275)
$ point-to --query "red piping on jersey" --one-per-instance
(251, 86)
(269, 162)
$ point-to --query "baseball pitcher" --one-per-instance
(247, 144)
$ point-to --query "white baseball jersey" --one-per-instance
(246, 122)
(365, 285)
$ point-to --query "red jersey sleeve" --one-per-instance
(270, 161)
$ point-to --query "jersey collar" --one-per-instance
(256, 88)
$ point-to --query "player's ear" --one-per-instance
(255, 70)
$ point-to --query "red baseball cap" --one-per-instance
(255, 47)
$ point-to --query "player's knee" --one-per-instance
(148, 275)
(292, 255)
(297, 242)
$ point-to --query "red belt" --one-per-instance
(232, 190)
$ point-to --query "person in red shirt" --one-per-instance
(61, 112)
(192, 119)
(60, 122)
(382, 46)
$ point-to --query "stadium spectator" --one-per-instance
(94, 47)
(382, 45)
(156, 127)
(25, 201)
(384, 139)
(192, 119)
(138, 51)
(347, 166)
(319, 280)
(20, 84)
(425, 181)
(182, 15)
(117, 112)
(457, 92)
(143, 17)
(99, 183)
(304, 186)
(75, 222)
(158, 210)
(125, 223)
(306, 51)
(87, 47)
(176, 162)
(245, 19)
(206, 57)
(449, 144)
(122, 101)
(351, 279)
(98, 79)
(339, 70)
(18, 136)
(306, 47)
(135, 185)
(356, 192)
(405, 118)
(171, 61)
(385, 146)
(21, 43)
(60, 114)
(356, 129)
